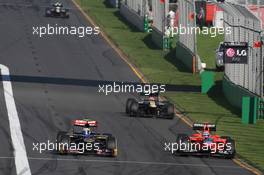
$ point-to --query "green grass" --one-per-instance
(161, 67)
(206, 46)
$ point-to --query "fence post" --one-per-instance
(245, 110)
(146, 24)
(249, 110)
(254, 109)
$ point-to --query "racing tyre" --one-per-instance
(134, 107)
(170, 111)
(128, 104)
(182, 139)
(65, 15)
(231, 149)
(112, 145)
(63, 142)
(60, 135)
(47, 12)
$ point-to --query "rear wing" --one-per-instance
(152, 94)
(90, 123)
(204, 127)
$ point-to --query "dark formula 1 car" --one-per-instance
(83, 139)
(150, 106)
(206, 143)
(57, 10)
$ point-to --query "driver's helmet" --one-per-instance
(86, 132)
(206, 134)
(151, 98)
(152, 102)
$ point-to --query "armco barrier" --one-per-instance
(157, 37)
(185, 56)
(131, 16)
(234, 93)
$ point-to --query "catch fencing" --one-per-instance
(164, 16)
(187, 20)
(159, 18)
(135, 11)
(255, 6)
(245, 27)
(138, 6)
(150, 14)
(161, 11)
(186, 49)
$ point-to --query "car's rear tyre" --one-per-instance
(182, 139)
(60, 135)
(230, 147)
(112, 145)
(63, 142)
(128, 104)
(170, 111)
(47, 12)
(65, 15)
(134, 109)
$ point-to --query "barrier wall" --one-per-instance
(157, 37)
(131, 16)
(185, 56)
(234, 93)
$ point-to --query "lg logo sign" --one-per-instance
(236, 53)
(230, 52)
(242, 53)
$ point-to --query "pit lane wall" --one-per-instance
(235, 93)
(133, 13)
(157, 37)
(186, 56)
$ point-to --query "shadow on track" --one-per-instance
(91, 83)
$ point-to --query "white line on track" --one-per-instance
(20, 155)
(126, 162)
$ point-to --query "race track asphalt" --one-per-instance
(55, 80)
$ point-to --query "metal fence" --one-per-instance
(161, 13)
(159, 18)
(255, 6)
(245, 27)
(139, 6)
(187, 33)
(187, 21)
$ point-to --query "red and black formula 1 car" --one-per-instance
(83, 138)
(205, 143)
